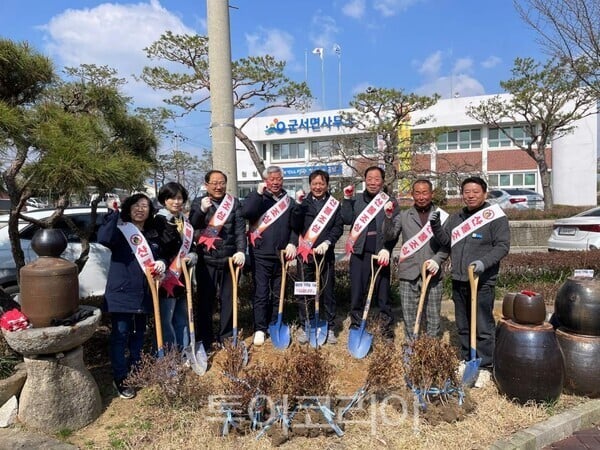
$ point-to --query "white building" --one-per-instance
(302, 142)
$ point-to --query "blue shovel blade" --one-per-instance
(280, 335)
(471, 372)
(359, 342)
(317, 332)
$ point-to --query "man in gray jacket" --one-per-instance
(479, 236)
(419, 247)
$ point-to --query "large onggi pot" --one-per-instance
(582, 363)
(528, 363)
(577, 305)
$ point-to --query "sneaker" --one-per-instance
(122, 390)
(483, 379)
(301, 336)
(259, 338)
(331, 339)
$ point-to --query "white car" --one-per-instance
(516, 198)
(579, 232)
(92, 279)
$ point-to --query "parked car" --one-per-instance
(579, 232)
(92, 279)
(35, 203)
(516, 198)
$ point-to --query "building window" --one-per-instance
(291, 186)
(525, 180)
(264, 152)
(288, 150)
(459, 139)
(323, 149)
(244, 174)
(499, 138)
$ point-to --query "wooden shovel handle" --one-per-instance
(187, 275)
(154, 286)
(284, 267)
(473, 281)
(374, 274)
(425, 278)
(234, 270)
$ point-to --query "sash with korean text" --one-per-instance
(475, 222)
(173, 273)
(210, 234)
(415, 243)
(269, 218)
(138, 244)
(364, 218)
(307, 241)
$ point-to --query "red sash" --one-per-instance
(138, 244)
(173, 273)
(364, 218)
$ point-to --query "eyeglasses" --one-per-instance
(218, 183)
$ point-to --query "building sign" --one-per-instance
(315, 124)
(331, 169)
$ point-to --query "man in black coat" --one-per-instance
(222, 234)
(268, 212)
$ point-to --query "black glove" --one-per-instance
(434, 218)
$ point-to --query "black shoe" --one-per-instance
(122, 390)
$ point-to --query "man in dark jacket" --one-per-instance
(366, 215)
(318, 241)
(268, 212)
(478, 236)
(222, 234)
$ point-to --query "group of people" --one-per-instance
(271, 225)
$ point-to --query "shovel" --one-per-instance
(234, 270)
(317, 330)
(360, 340)
(425, 278)
(154, 285)
(194, 354)
(280, 332)
(472, 367)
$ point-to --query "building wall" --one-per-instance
(571, 158)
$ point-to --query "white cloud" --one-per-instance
(459, 85)
(389, 8)
(432, 64)
(462, 65)
(113, 35)
(324, 31)
(272, 42)
(491, 62)
(354, 9)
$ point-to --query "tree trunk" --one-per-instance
(256, 159)
(546, 182)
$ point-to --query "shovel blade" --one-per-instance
(471, 372)
(280, 335)
(196, 358)
(359, 342)
(317, 332)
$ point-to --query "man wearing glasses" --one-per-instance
(221, 231)
(268, 212)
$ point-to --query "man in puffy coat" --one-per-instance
(217, 219)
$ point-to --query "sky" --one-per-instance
(449, 47)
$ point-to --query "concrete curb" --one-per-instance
(553, 429)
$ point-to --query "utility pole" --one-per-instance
(221, 91)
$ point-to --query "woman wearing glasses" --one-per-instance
(221, 231)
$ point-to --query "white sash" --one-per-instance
(137, 242)
(364, 218)
(173, 273)
(210, 234)
(475, 222)
(269, 218)
(415, 243)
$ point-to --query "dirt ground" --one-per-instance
(386, 422)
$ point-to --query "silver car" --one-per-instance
(516, 198)
(92, 279)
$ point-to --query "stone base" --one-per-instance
(59, 393)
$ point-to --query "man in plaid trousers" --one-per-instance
(419, 247)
